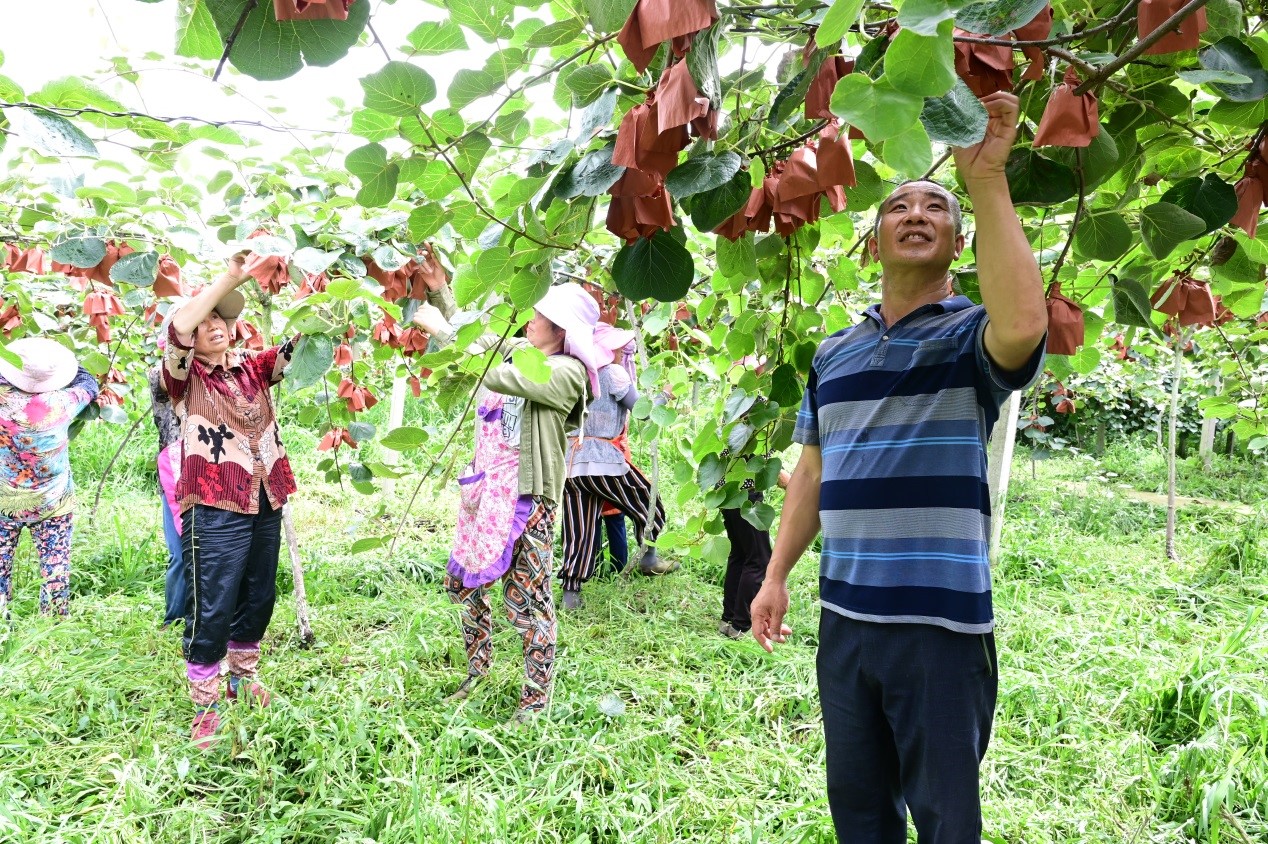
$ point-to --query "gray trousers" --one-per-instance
(907, 713)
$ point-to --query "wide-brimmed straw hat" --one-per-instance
(574, 310)
(46, 365)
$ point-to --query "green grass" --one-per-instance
(1133, 702)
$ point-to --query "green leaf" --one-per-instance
(470, 85)
(435, 38)
(957, 117)
(314, 353)
(494, 265)
(532, 364)
(924, 16)
(196, 34)
(588, 82)
(998, 17)
(1242, 115)
(378, 176)
(556, 34)
(608, 15)
(1203, 77)
(876, 108)
(490, 19)
(529, 286)
(1164, 226)
(1131, 302)
(82, 252)
(426, 220)
(1103, 237)
(868, 189)
(702, 173)
(399, 89)
(50, 134)
(591, 176)
(404, 438)
(267, 49)
(597, 116)
(1211, 198)
(138, 269)
(737, 259)
(1230, 54)
(313, 260)
(923, 65)
(73, 92)
(837, 21)
(711, 208)
(788, 102)
(374, 125)
(658, 267)
(1035, 180)
(1100, 158)
(468, 286)
(470, 152)
(785, 386)
(910, 152)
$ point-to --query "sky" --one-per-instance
(90, 32)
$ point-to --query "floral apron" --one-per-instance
(491, 513)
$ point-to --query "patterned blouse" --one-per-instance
(165, 421)
(230, 439)
(35, 481)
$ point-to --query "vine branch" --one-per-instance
(466, 187)
(233, 36)
(1140, 47)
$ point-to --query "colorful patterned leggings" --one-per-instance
(52, 545)
(529, 606)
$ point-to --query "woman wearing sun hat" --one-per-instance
(234, 479)
(599, 473)
(38, 403)
(512, 490)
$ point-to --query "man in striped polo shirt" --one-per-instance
(894, 423)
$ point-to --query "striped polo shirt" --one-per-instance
(902, 416)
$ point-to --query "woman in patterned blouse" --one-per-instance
(234, 480)
(38, 403)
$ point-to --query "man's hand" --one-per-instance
(433, 273)
(986, 159)
(767, 612)
(429, 318)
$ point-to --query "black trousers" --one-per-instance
(907, 714)
(745, 568)
(231, 572)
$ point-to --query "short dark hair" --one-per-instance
(957, 214)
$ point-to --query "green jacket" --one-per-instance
(551, 409)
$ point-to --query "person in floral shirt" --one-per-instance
(38, 403)
(234, 480)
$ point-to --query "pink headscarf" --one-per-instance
(574, 310)
(612, 338)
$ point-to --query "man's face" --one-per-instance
(211, 337)
(541, 332)
(917, 228)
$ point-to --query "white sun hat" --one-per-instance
(46, 365)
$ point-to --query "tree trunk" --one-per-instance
(999, 465)
(395, 416)
(632, 315)
(1206, 446)
(306, 637)
(1172, 426)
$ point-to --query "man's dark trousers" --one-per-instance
(907, 713)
